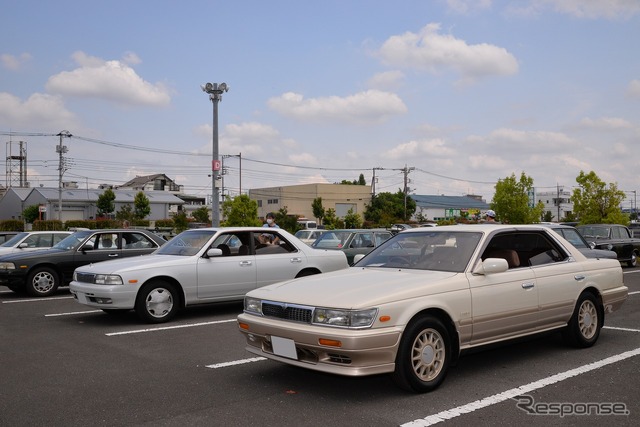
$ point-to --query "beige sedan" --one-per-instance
(410, 306)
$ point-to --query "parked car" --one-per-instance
(576, 239)
(40, 273)
(411, 305)
(613, 237)
(6, 235)
(309, 236)
(396, 228)
(32, 241)
(351, 241)
(200, 266)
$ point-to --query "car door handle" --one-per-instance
(296, 260)
(112, 255)
(245, 263)
(527, 285)
(579, 277)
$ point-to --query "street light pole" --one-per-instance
(215, 92)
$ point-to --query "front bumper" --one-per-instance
(104, 296)
(13, 277)
(361, 352)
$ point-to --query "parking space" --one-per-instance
(63, 364)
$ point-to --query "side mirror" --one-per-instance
(357, 258)
(87, 247)
(23, 245)
(492, 266)
(214, 252)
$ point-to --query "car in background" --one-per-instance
(6, 235)
(396, 228)
(27, 241)
(40, 273)
(576, 239)
(199, 266)
(613, 237)
(351, 241)
(309, 236)
(413, 304)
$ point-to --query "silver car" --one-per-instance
(199, 266)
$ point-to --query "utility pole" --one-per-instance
(61, 150)
(406, 172)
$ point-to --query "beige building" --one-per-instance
(299, 198)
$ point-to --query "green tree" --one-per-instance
(388, 208)
(106, 202)
(286, 221)
(31, 213)
(594, 202)
(511, 201)
(125, 213)
(361, 180)
(352, 219)
(330, 219)
(241, 211)
(318, 209)
(201, 214)
(180, 221)
(141, 206)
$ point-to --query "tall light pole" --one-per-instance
(215, 92)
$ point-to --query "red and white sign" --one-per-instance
(215, 165)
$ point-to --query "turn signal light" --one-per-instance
(385, 318)
(243, 326)
(330, 343)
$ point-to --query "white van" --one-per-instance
(305, 224)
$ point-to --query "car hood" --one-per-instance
(134, 263)
(358, 287)
(598, 253)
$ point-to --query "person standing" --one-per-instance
(490, 217)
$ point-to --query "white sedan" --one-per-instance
(411, 305)
(199, 266)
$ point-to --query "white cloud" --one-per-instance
(14, 63)
(413, 149)
(365, 107)
(303, 159)
(111, 80)
(484, 162)
(464, 6)
(607, 123)
(39, 111)
(386, 80)
(634, 89)
(592, 9)
(430, 51)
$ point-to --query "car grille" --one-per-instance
(86, 277)
(283, 311)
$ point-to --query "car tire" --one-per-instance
(586, 321)
(634, 260)
(423, 355)
(157, 302)
(42, 282)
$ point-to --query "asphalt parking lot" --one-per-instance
(62, 364)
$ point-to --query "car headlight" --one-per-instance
(344, 318)
(7, 266)
(108, 279)
(253, 305)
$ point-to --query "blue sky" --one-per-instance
(465, 92)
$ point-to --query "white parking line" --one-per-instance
(35, 300)
(634, 293)
(164, 328)
(524, 389)
(71, 313)
(621, 329)
(235, 362)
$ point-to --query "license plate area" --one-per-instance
(284, 347)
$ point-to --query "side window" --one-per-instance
(136, 241)
(522, 249)
(57, 238)
(362, 240)
(271, 242)
(381, 237)
(31, 241)
(108, 241)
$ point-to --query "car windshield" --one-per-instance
(597, 232)
(15, 239)
(73, 241)
(332, 239)
(440, 251)
(187, 243)
(574, 238)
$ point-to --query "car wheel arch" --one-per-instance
(170, 280)
(309, 271)
(447, 321)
